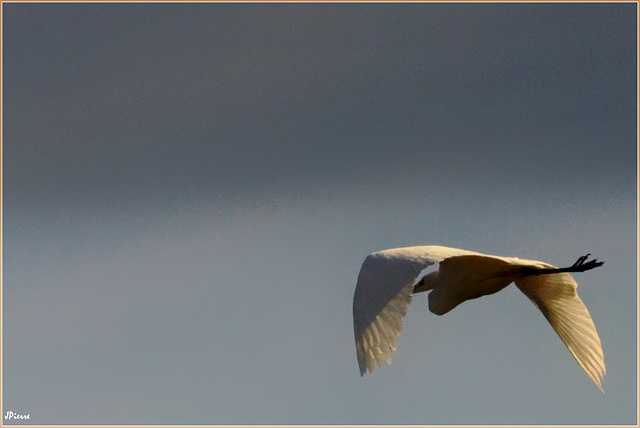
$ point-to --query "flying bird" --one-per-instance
(386, 284)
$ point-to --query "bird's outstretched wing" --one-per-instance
(382, 297)
(555, 295)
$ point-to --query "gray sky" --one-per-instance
(190, 189)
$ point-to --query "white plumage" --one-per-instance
(386, 284)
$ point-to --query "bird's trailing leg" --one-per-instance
(580, 265)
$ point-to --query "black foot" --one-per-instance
(581, 264)
(581, 260)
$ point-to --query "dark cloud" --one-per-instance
(225, 96)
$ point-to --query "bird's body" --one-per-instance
(386, 284)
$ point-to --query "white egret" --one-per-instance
(386, 284)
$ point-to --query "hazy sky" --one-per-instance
(190, 190)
